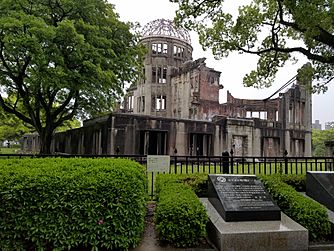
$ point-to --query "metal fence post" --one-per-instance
(286, 161)
(231, 153)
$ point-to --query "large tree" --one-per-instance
(272, 29)
(63, 58)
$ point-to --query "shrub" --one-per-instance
(297, 181)
(310, 214)
(197, 181)
(180, 217)
(59, 204)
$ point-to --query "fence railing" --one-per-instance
(215, 164)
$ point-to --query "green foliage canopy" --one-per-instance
(271, 29)
(318, 141)
(63, 58)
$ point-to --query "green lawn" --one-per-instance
(6, 150)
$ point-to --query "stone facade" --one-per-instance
(176, 106)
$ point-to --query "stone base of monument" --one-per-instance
(283, 235)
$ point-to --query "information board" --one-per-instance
(158, 163)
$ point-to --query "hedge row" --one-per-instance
(180, 217)
(297, 181)
(310, 214)
(61, 204)
(197, 181)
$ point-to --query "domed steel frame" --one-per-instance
(164, 27)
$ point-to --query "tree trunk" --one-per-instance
(45, 141)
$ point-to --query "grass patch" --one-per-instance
(6, 150)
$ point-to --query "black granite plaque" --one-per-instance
(241, 198)
(320, 187)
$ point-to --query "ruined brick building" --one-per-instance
(176, 106)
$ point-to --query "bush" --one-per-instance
(180, 217)
(59, 204)
(310, 214)
(297, 181)
(197, 181)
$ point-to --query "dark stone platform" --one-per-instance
(241, 198)
(320, 187)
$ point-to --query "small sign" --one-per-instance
(158, 163)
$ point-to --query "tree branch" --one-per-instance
(71, 95)
(307, 53)
(324, 36)
(69, 115)
(12, 110)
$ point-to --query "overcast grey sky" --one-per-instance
(234, 67)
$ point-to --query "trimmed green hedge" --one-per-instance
(180, 217)
(197, 181)
(60, 204)
(297, 181)
(310, 214)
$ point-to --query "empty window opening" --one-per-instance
(144, 77)
(179, 51)
(138, 104)
(164, 75)
(154, 48)
(160, 103)
(263, 115)
(154, 74)
(130, 103)
(159, 46)
(175, 51)
(159, 74)
(143, 104)
(165, 49)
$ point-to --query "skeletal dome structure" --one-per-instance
(168, 48)
(163, 27)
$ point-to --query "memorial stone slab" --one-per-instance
(241, 198)
(320, 187)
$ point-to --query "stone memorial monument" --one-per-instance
(320, 187)
(241, 198)
(242, 216)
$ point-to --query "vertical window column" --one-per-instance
(154, 74)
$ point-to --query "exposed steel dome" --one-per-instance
(167, 28)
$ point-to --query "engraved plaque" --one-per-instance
(241, 198)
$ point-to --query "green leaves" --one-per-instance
(180, 217)
(71, 203)
(71, 54)
(310, 214)
(271, 29)
(319, 137)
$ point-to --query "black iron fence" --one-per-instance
(216, 164)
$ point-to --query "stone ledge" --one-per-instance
(284, 235)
